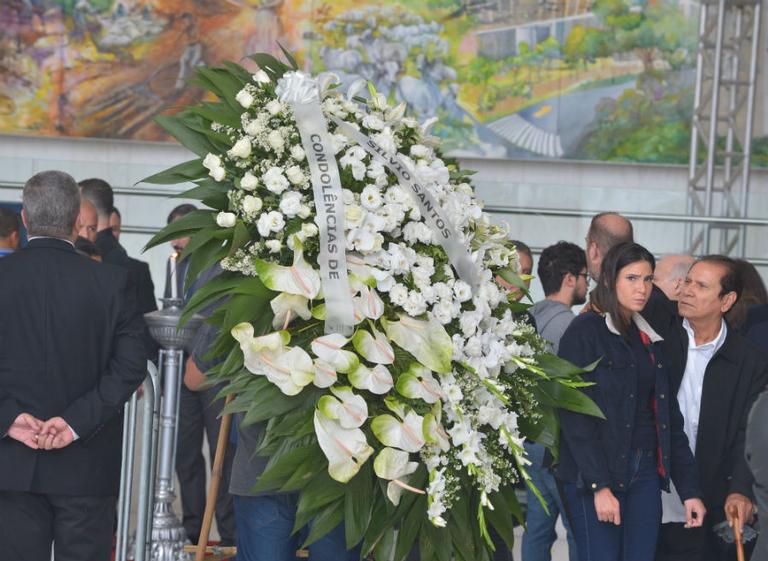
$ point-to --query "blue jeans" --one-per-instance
(635, 539)
(264, 527)
(540, 531)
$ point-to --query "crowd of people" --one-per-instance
(675, 351)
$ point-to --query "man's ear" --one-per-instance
(727, 302)
(24, 218)
(569, 281)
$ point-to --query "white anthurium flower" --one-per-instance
(376, 380)
(346, 449)
(325, 375)
(289, 370)
(373, 347)
(428, 341)
(434, 433)
(360, 270)
(405, 435)
(417, 383)
(369, 303)
(300, 278)
(286, 307)
(329, 348)
(394, 466)
(252, 347)
(349, 409)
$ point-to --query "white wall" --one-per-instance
(584, 186)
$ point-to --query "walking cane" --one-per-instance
(737, 534)
(202, 548)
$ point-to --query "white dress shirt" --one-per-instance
(689, 399)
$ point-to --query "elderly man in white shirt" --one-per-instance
(717, 376)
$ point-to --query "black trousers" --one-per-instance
(676, 543)
(80, 528)
(199, 414)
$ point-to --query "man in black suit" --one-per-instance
(99, 193)
(71, 353)
(716, 376)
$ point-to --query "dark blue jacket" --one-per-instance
(594, 453)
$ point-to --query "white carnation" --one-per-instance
(462, 291)
(398, 294)
(270, 222)
(419, 151)
(275, 181)
(274, 246)
(386, 139)
(244, 98)
(226, 219)
(373, 122)
(290, 204)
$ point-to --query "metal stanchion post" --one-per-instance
(168, 536)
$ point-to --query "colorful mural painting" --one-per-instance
(587, 79)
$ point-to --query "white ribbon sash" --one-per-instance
(430, 210)
(301, 92)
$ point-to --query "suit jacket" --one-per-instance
(757, 456)
(70, 346)
(734, 377)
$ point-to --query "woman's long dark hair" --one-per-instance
(604, 296)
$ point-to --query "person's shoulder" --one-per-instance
(741, 349)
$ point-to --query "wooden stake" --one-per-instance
(213, 489)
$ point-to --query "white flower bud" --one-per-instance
(249, 181)
(241, 149)
(261, 77)
(295, 175)
(226, 219)
(251, 204)
(244, 98)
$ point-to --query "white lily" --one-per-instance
(349, 409)
(325, 375)
(376, 380)
(328, 348)
(286, 307)
(394, 466)
(418, 383)
(346, 449)
(428, 341)
(373, 348)
(300, 278)
(406, 435)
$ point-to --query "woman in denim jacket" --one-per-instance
(614, 469)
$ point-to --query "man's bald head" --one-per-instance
(670, 274)
(607, 229)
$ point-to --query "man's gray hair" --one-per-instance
(51, 201)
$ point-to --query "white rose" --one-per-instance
(304, 211)
(297, 153)
(419, 151)
(373, 122)
(370, 198)
(274, 107)
(211, 161)
(295, 175)
(261, 77)
(249, 182)
(290, 204)
(217, 173)
(353, 215)
(275, 181)
(241, 149)
(254, 127)
(226, 219)
(275, 140)
(251, 204)
(270, 222)
(274, 246)
(309, 230)
(244, 98)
